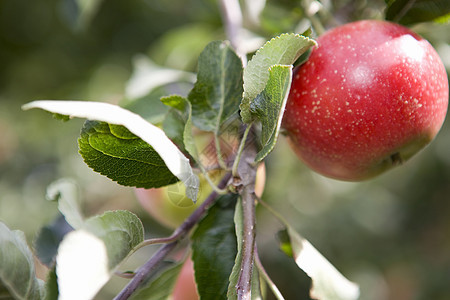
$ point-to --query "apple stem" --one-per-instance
(142, 273)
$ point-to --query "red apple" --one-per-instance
(185, 287)
(371, 95)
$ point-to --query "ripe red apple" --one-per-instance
(371, 95)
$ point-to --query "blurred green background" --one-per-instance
(390, 234)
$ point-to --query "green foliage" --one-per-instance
(269, 105)
(327, 282)
(160, 285)
(120, 230)
(17, 271)
(218, 90)
(66, 193)
(184, 130)
(129, 161)
(408, 12)
(214, 249)
(100, 246)
(281, 50)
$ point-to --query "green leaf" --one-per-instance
(65, 191)
(51, 285)
(160, 285)
(174, 160)
(218, 91)
(407, 12)
(327, 282)
(120, 230)
(214, 249)
(269, 106)
(234, 275)
(185, 108)
(47, 242)
(130, 162)
(88, 257)
(17, 272)
(281, 50)
(174, 126)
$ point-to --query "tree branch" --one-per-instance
(146, 269)
(245, 183)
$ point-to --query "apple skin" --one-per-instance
(371, 95)
(185, 286)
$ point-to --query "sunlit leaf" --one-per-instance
(147, 76)
(327, 282)
(185, 109)
(17, 271)
(282, 50)
(65, 191)
(87, 257)
(173, 158)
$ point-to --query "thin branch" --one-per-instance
(276, 292)
(146, 269)
(244, 284)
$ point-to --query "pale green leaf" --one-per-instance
(327, 282)
(218, 91)
(184, 106)
(173, 158)
(147, 76)
(17, 271)
(281, 50)
(88, 257)
(66, 192)
(120, 230)
(269, 106)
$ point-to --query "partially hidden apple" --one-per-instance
(371, 95)
(169, 205)
(185, 287)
